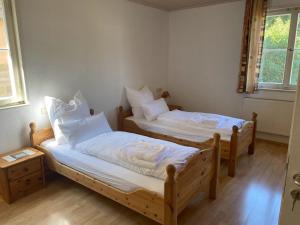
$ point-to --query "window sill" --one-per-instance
(273, 94)
(277, 89)
(14, 106)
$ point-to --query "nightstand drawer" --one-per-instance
(24, 169)
(26, 185)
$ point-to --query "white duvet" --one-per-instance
(140, 154)
(197, 121)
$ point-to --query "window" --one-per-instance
(12, 87)
(281, 52)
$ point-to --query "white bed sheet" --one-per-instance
(109, 146)
(196, 135)
(199, 122)
(114, 175)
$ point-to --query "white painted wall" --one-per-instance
(204, 57)
(97, 46)
(284, 3)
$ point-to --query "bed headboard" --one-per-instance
(38, 136)
(123, 114)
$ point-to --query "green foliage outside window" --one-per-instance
(276, 48)
(296, 60)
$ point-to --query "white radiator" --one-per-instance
(274, 116)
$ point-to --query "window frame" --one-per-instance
(20, 97)
(295, 12)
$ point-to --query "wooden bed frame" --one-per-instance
(199, 174)
(241, 141)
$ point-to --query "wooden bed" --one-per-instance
(241, 141)
(200, 172)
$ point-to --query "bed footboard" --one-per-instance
(147, 203)
(199, 174)
(241, 141)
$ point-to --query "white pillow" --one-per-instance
(60, 112)
(153, 109)
(137, 98)
(84, 129)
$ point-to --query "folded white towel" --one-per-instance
(208, 123)
(148, 151)
(143, 154)
(143, 163)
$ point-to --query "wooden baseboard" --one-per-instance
(273, 137)
(273, 142)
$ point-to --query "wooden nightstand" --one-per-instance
(22, 176)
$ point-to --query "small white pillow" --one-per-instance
(84, 129)
(60, 112)
(137, 98)
(153, 109)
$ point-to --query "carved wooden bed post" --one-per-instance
(170, 217)
(32, 130)
(233, 151)
(251, 148)
(217, 157)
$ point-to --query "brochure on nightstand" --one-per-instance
(19, 155)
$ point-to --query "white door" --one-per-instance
(289, 216)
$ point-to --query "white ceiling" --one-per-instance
(171, 5)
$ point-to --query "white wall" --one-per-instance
(97, 46)
(284, 3)
(204, 57)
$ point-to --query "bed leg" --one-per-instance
(251, 148)
(170, 214)
(233, 152)
(217, 157)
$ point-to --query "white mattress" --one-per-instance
(187, 134)
(114, 175)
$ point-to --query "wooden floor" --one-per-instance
(252, 198)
